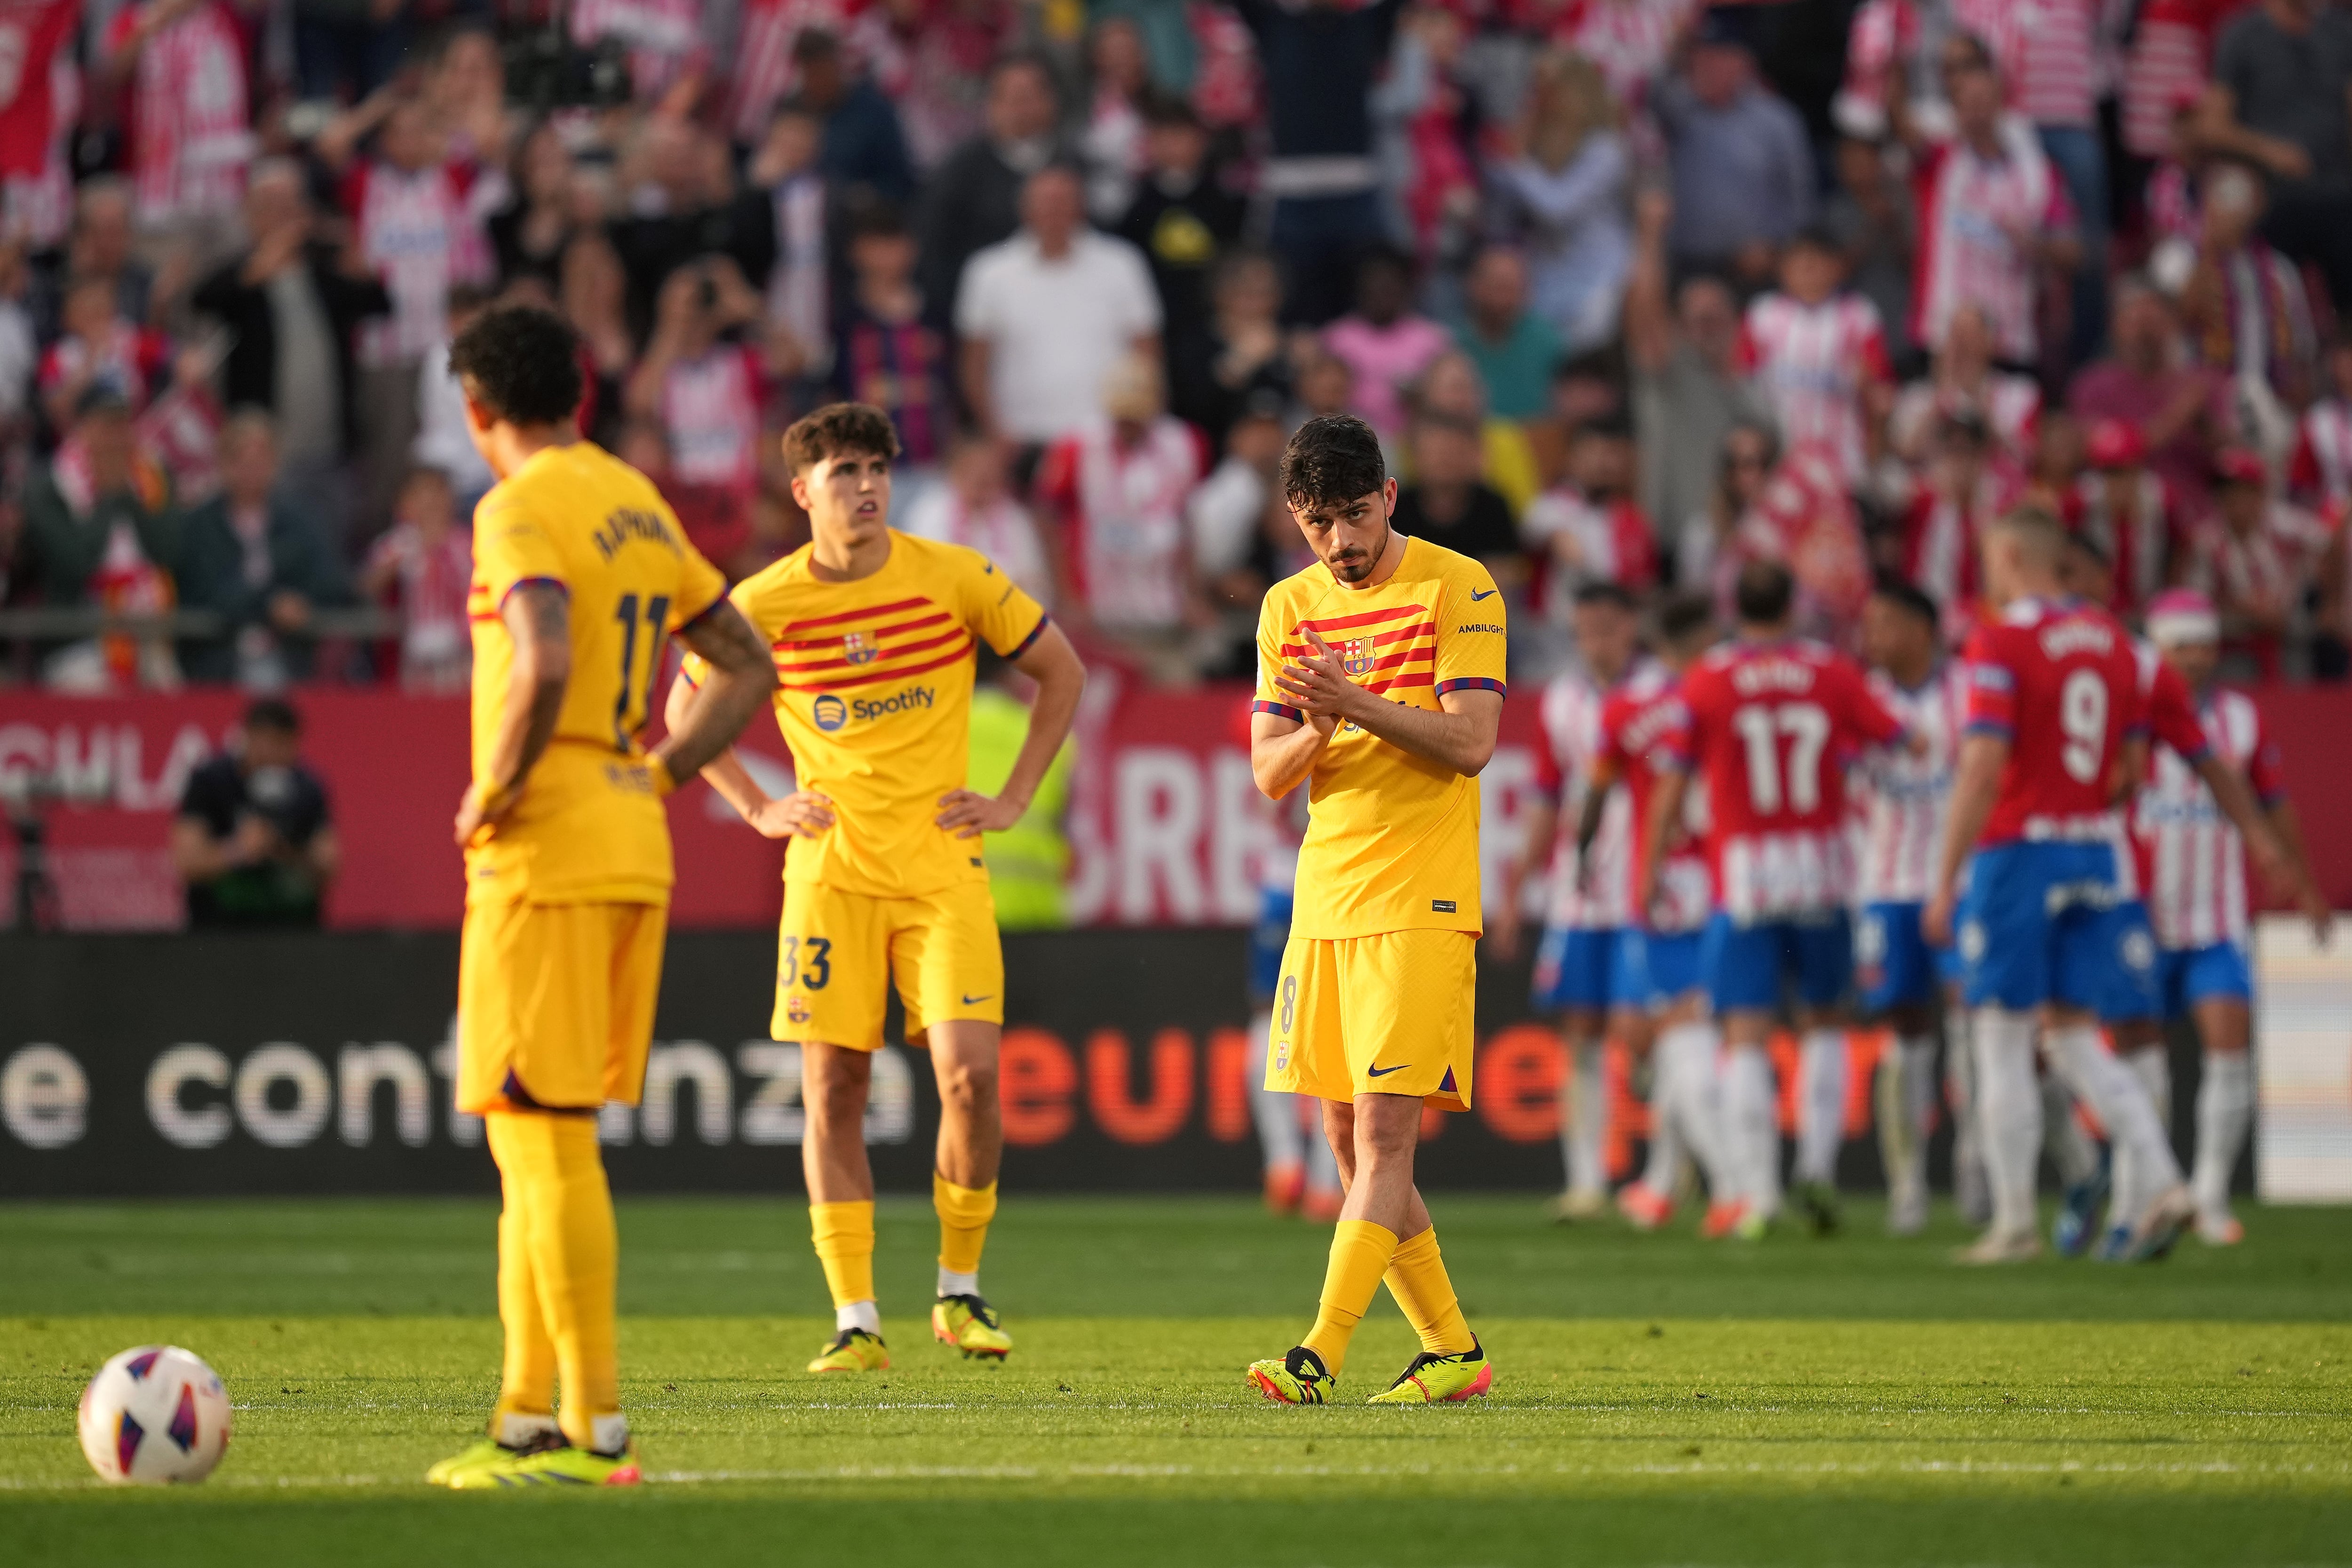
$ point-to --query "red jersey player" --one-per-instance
(1773, 721)
(2056, 733)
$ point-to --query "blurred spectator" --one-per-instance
(764, 69)
(886, 350)
(593, 294)
(1817, 353)
(1424, 121)
(1227, 510)
(1871, 217)
(975, 198)
(663, 40)
(1384, 341)
(257, 561)
(685, 205)
(718, 516)
(1451, 388)
(1112, 133)
(2143, 383)
(2056, 466)
(2321, 472)
(1743, 174)
(181, 65)
(2254, 558)
(1248, 356)
(1960, 493)
(1963, 379)
(254, 839)
(2281, 97)
(1704, 550)
(975, 506)
(1045, 315)
(2125, 512)
(862, 153)
(932, 57)
(528, 234)
(292, 307)
(99, 530)
(1320, 172)
(1560, 192)
(1687, 389)
(1993, 213)
(345, 49)
(466, 88)
(1117, 485)
(100, 351)
(1447, 503)
(422, 565)
(702, 385)
(443, 441)
(799, 281)
(1513, 347)
(1183, 219)
(2244, 313)
(1590, 529)
(99, 246)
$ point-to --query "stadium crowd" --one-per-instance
(1634, 291)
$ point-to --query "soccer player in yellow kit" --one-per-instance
(875, 635)
(1380, 687)
(581, 577)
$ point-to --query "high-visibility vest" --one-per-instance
(1029, 862)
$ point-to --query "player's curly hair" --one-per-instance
(1332, 458)
(521, 362)
(839, 429)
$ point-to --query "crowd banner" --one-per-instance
(1164, 825)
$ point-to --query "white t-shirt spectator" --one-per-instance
(1001, 530)
(1054, 328)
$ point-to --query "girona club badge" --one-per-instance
(1356, 656)
(858, 648)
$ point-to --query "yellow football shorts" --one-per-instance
(837, 953)
(555, 1003)
(1392, 1014)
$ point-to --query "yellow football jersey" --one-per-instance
(1392, 840)
(874, 696)
(587, 824)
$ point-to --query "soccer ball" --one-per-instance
(153, 1415)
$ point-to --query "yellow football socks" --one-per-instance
(1416, 1277)
(1360, 1251)
(559, 1263)
(844, 1233)
(964, 1214)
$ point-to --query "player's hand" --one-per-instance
(1935, 920)
(1503, 929)
(803, 813)
(1645, 888)
(1317, 683)
(472, 818)
(254, 841)
(2315, 907)
(972, 814)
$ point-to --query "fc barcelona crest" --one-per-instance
(1356, 656)
(860, 647)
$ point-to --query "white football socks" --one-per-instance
(1821, 1104)
(1906, 1110)
(1686, 1099)
(1274, 1114)
(1751, 1132)
(954, 1284)
(1662, 1171)
(2120, 1101)
(1969, 1188)
(863, 1315)
(2225, 1113)
(2008, 1115)
(1584, 1118)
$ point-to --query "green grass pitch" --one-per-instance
(1659, 1400)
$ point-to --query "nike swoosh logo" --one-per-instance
(1476, 595)
(1383, 1072)
(982, 997)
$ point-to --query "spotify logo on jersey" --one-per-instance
(829, 713)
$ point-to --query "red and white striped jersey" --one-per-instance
(1939, 545)
(1570, 712)
(1627, 40)
(663, 37)
(1772, 729)
(1612, 542)
(763, 74)
(1811, 363)
(421, 230)
(1123, 508)
(1905, 796)
(2323, 456)
(2194, 858)
(2011, 406)
(711, 406)
(2130, 518)
(1641, 722)
(190, 136)
(2043, 48)
(2174, 729)
(1968, 204)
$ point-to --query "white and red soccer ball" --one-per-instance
(155, 1415)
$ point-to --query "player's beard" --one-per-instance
(1356, 568)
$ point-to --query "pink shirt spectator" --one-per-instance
(1385, 360)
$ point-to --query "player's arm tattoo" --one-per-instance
(743, 678)
(537, 617)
